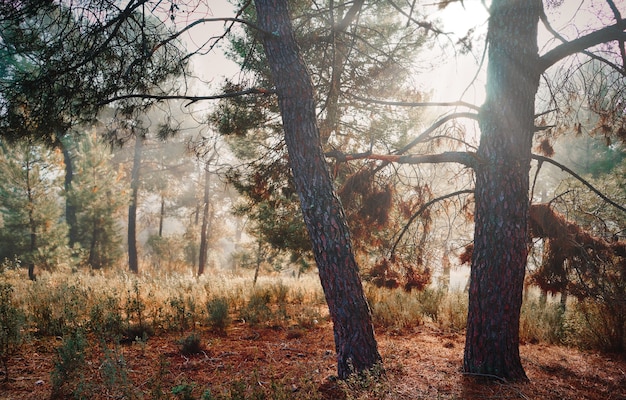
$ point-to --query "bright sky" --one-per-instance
(451, 77)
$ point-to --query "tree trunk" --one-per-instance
(259, 259)
(32, 225)
(70, 208)
(133, 258)
(502, 185)
(161, 216)
(204, 239)
(323, 214)
(94, 260)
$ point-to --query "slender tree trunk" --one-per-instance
(204, 234)
(133, 258)
(70, 208)
(32, 224)
(161, 216)
(259, 259)
(93, 258)
(323, 214)
(502, 185)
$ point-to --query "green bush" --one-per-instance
(106, 320)
(218, 313)
(191, 344)
(595, 325)
(431, 302)
(114, 372)
(184, 391)
(11, 323)
(56, 311)
(257, 310)
(69, 365)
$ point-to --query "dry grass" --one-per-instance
(288, 354)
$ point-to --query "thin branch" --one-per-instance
(544, 128)
(350, 16)
(422, 24)
(417, 104)
(116, 23)
(580, 179)
(421, 210)
(469, 159)
(433, 127)
(541, 114)
(205, 20)
(191, 99)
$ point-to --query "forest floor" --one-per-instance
(300, 363)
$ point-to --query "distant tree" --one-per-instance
(133, 257)
(30, 187)
(206, 222)
(62, 62)
(97, 196)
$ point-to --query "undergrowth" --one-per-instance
(113, 309)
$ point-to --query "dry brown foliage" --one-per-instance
(569, 247)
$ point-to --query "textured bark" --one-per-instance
(502, 183)
(133, 258)
(323, 215)
(204, 240)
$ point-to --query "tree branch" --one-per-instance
(191, 99)
(422, 209)
(618, 17)
(580, 179)
(204, 20)
(422, 24)
(607, 34)
(350, 16)
(546, 23)
(417, 104)
(469, 159)
(433, 127)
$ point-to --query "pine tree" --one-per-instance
(353, 53)
(98, 198)
(30, 185)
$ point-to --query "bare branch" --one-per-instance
(191, 99)
(580, 179)
(417, 104)
(607, 34)
(422, 24)
(422, 209)
(546, 23)
(618, 17)
(433, 127)
(468, 159)
(205, 20)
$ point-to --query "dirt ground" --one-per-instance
(299, 363)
